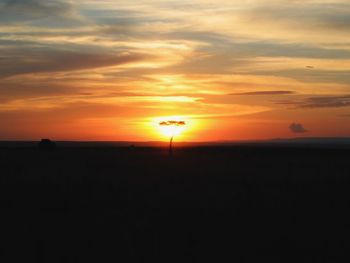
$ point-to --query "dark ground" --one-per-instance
(218, 204)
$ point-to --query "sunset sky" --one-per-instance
(233, 70)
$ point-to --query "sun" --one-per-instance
(170, 126)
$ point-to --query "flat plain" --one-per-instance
(138, 204)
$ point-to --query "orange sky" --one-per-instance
(233, 70)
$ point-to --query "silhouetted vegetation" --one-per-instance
(134, 204)
(172, 124)
(47, 144)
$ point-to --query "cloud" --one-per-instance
(297, 128)
(22, 61)
(172, 123)
(263, 93)
(31, 10)
(340, 76)
(320, 102)
(299, 18)
(12, 90)
(326, 102)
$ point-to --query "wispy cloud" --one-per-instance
(326, 102)
(40, 61)
(320, 102)
(264, 93)
(32, 11)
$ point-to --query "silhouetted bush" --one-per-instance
(47, 144)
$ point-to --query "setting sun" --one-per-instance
(170, 126)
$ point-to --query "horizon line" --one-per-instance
(165, 141)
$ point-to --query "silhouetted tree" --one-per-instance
(172, 123)
(47, 144)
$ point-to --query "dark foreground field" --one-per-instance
(237, 204)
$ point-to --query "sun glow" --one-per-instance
(170, 126)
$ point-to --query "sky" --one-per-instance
(231, 70)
